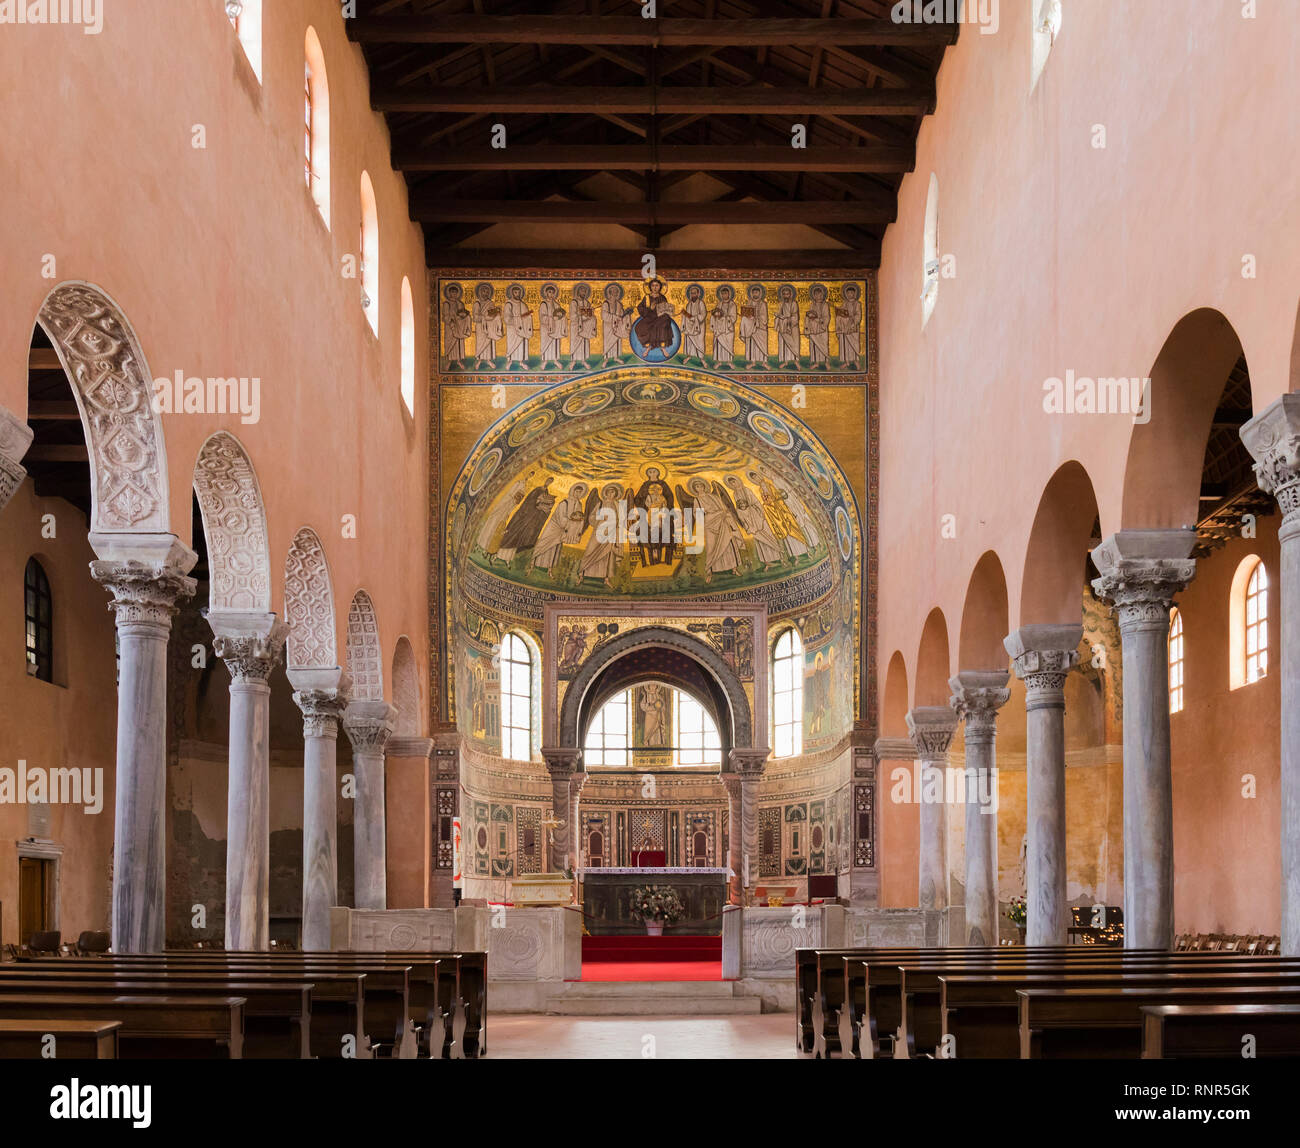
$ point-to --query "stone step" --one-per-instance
(712, 990)
(621, 1005)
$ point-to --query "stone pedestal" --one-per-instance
(369, 725)
(146, 575)
(1273, 439)
(977, 695)
(15, 438)
(931, 729)
(1141, 571)
(251, 644)
(1043, 656)
(321, 694)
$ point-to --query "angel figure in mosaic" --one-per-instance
(582, 326)
(519, 327)
(848, 321)
(693, 322)
(724, 327)
(615, 323)
(818, 328)
(787, 327)
(753, 327)
(489, 327)
(550, 322)
(604, 549)
(749, 509)
(457, 325)
(724, 545)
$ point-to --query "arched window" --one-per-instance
(316, 95)
(1175, 661)
(787, 695)
(696, 741)
(408, 347)
(369, 253)
(1248, 623)
(516, 699)
(246, 16)
(608, 735)
(930, 252)
(1047, 26)
(38, 611)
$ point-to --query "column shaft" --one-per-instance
(320, 728)
(931, 729)
(248, 821)
(369, 725)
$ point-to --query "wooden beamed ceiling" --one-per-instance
(688, 118)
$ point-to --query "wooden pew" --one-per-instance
(153, 1027)
(277, 1019)
(1178, 1032)
(73, 1039)
(1107, 1022)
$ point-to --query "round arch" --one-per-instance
(893, 709)
(406, 689)
(632, 656)
(933, 662)
(113, 389)
(234, 524)
(1051, 589)
(309, 604)
(984, 617)
(364, 653)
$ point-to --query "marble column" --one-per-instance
(565, 768)
(977, 695)
(146, 576)
(735, 844)
(931, 729)
(1042, 656)
(15, 438)
(747, 770)
(1141, 571)
(321, 694)
(1273, 439)
(369, 725)
(251, 644)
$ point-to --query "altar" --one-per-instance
(607, 896)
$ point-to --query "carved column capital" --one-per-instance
(321, 710)
(931, 729)
(1141, 571)
(1273, 439)
(144, 593)
(15, 438)
(747, 762)
(562, 762)
(1042, 656)
(369, 725)
(977, 695)
(251, 644)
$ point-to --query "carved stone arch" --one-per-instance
(734, 719)
(309, 604)
(406, 689)
(365, 655)
(113, 389)
(234, 523)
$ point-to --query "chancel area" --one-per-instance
(733, 529)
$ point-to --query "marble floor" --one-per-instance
(768, 1036)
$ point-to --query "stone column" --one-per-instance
(146, 576)
(321, 694)
(15, 438)
(735, 842)
(565, 768)
(1141, 571)
(747, 771)
(1042, 656)
(931, 729)
(251, 644)
(977, 695)
(1273, 439)
(369, 725)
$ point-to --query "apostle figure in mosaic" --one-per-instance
(818, 327)
(457, 323)
(693, 321)
(582, 326)
(787, 327)
(488, 326)
(496, 517)
(753, 327)
(752, 517)
(615, 323)
(519, 327)
(564, 528)
(526, 523)
(724, 327)
(848, 321)
(550, 322)
(724, 545)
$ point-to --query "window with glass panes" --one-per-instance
(607, 736)
(1257, 624)
(787, 695)
(695, 740)
(516, 699)
(38, 609)
(1175, 662)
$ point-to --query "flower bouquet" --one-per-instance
(656, 906)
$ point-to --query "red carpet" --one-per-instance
(671, 958)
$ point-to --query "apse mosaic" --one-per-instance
(567, 325)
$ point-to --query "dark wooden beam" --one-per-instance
(738, 100)
(433, 210)
(576, 259)
(40, 453)
(52, 411)
(634, 30)
(636, 157)
(43, 359)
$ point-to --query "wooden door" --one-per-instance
(35, 911)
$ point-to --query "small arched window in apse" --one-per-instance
(516, 699)
(368, 252)
(1175, 661)
(316, 125)
(787, 695)
(408, 347)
